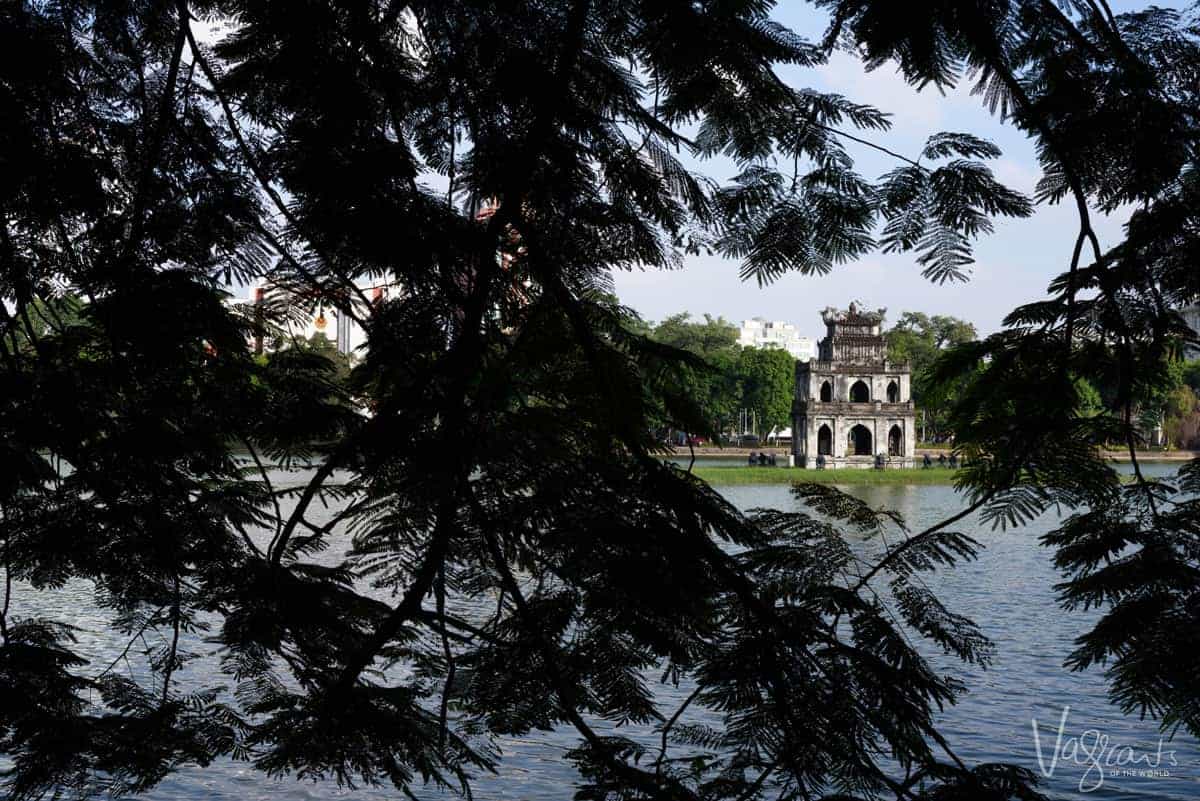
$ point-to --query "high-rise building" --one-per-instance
(345, 328)
(1191, 316)
(760, 333)
(306, 321)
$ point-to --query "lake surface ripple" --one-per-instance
(1008, 591)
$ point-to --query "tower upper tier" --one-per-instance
(853, 336)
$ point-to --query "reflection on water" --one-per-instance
(1009, 591)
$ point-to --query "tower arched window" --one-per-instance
(827, 392)
(859, 441)
(893, 392)
(860, 392)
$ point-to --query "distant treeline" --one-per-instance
(753, 387)
(760, 382)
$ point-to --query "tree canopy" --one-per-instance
(496, 162)
(728, 380)
(707, 338)
(768, 378)
(919, 339)
(713, 382)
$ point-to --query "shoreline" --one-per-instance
(731, 453)
(728, 476)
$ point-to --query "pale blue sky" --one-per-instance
(1013, 265)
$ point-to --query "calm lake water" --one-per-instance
(1009, 591)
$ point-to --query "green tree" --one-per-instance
(1181, 402)
(49, 316)
(1090, 402)
(705, 338)
(1191, 374)
(321, 344)
(768, 381)
(919, 339)
(1179, 416)
(713, 382)
(327, 359)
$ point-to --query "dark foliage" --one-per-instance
(495, 162)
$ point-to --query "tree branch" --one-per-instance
(158, 137)
(169, 668)
(264, 181)
(568, 702)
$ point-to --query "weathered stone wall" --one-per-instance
(853, 350)
(811, 375)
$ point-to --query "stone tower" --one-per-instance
(852, 406)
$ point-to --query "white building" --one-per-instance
(1191, 316)
(760, 333)
(304, 322)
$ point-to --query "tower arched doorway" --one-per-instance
(824, 441)
(860, 392)
(896, 441)
(859, 441)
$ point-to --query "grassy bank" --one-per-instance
(740, 454)
(787, 475)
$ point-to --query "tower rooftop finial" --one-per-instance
(856, 314)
